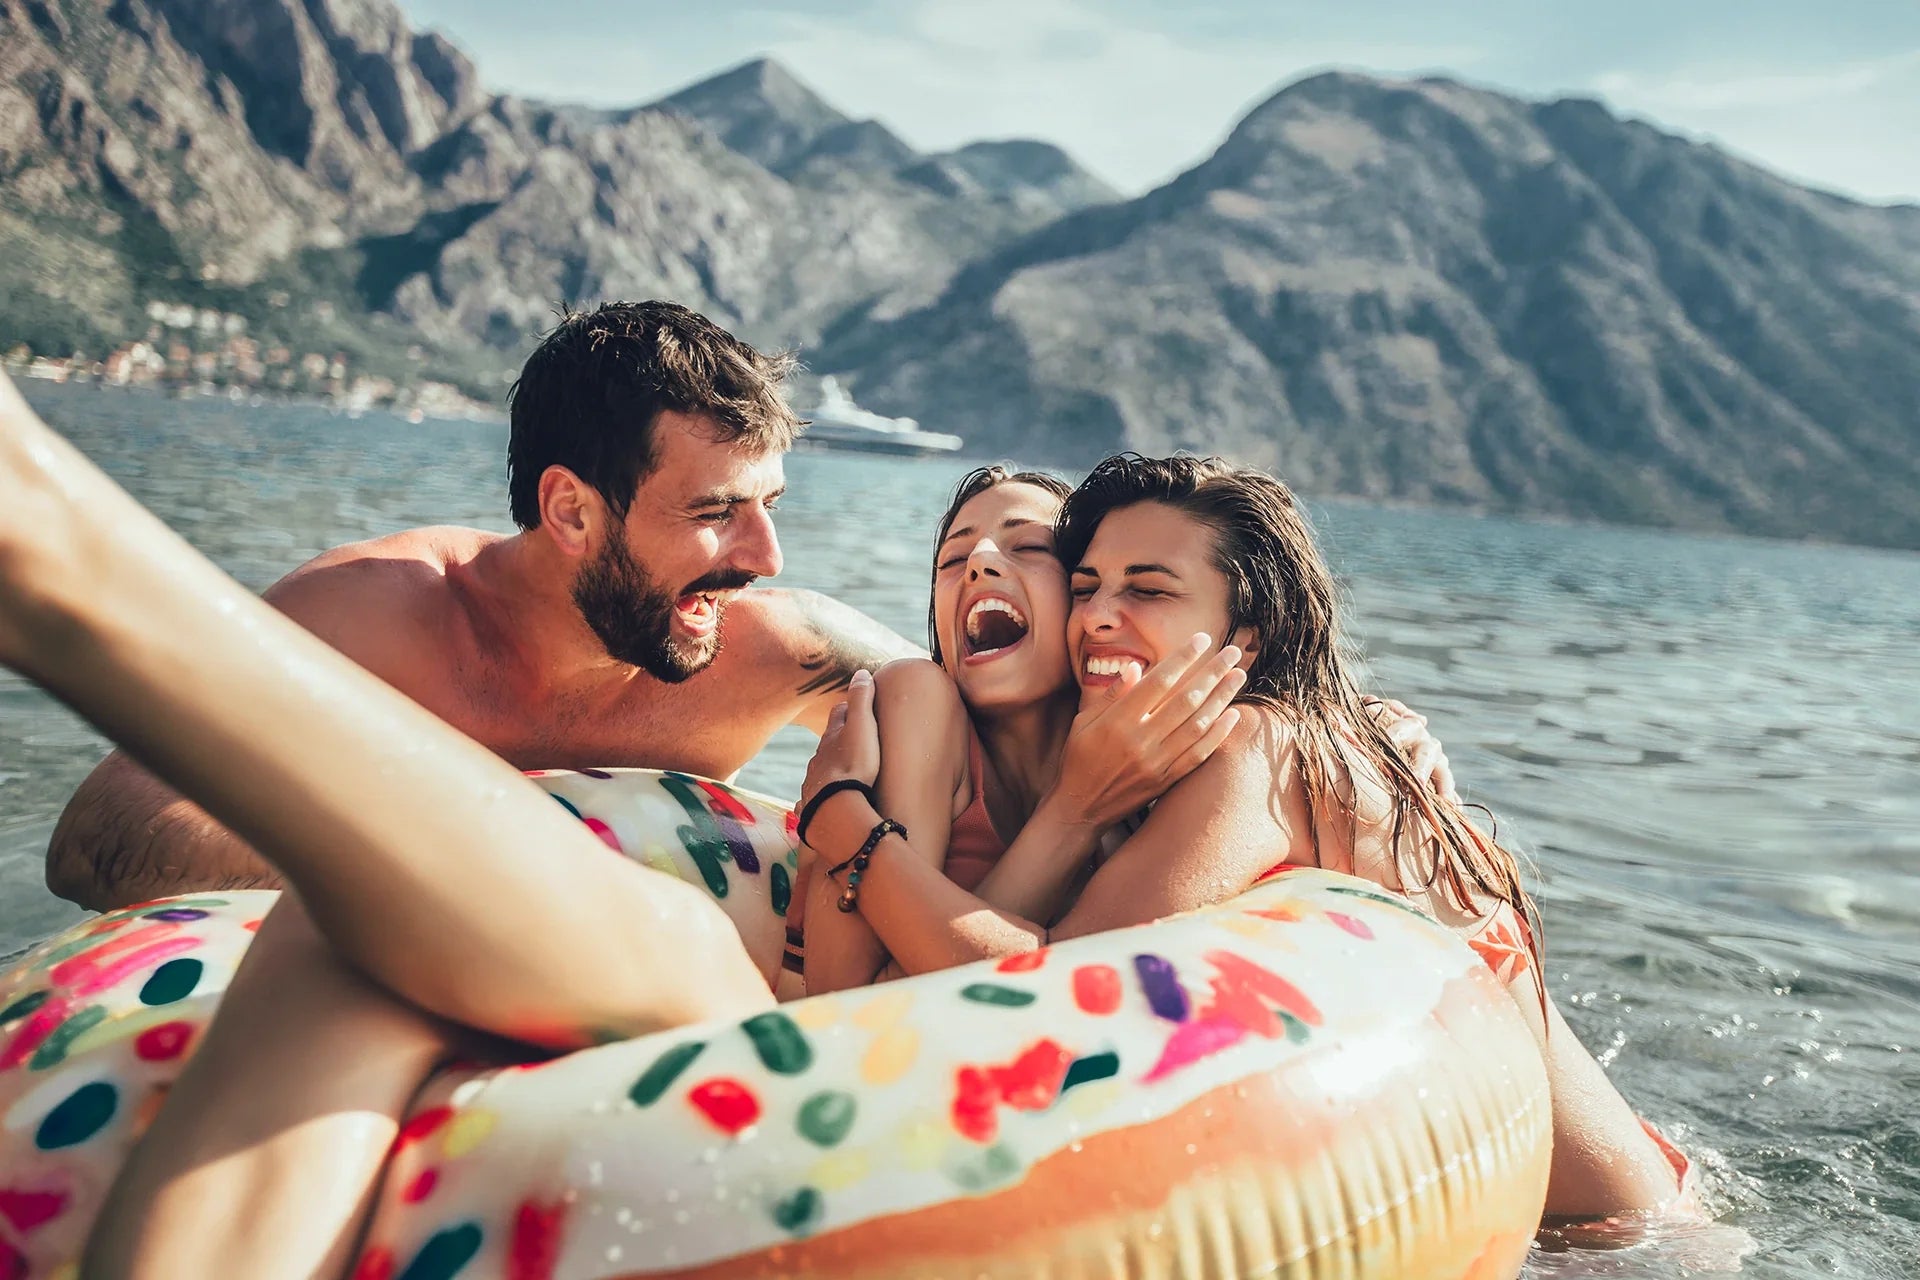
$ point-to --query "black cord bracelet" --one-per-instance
(850, 896)
(833, 788)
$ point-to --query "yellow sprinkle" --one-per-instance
(1244, 926)
(465, 1132)
(840, 1170)
(921, 1144)
(883, 1010)
(816, 1013)
(660, 860)
(890, 1055)
(1092, 1099)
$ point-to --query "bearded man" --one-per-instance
(614, 629)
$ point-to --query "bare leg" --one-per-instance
(263, 1161)
(427, 861)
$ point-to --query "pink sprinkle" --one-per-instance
(1192, 1041)
(1358, 928)
(128, 965)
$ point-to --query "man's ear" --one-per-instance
(572, 512)
(1249, 641)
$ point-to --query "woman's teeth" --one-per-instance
(1111, 666)
(994, 624)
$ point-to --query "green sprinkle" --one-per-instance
(1098, 1066)
(995, 1166)
(799, 1212)
(993, 993)
(826, 1117)
(1297, 1031)
(53, 1050)
(779, 1042)
(174, 980)
(24, 1005)
(80, 1115)
(782, 889)
(666, 1068)
(442, 1257)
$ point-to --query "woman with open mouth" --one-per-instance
(1137, 707)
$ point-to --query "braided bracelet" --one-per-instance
(819, 797)
(850, 896)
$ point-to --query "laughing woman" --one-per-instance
(1207, 580)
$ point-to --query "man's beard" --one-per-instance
(633, 615)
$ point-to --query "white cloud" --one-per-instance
(1704, 90)
(1847, 126)
(1133, 103)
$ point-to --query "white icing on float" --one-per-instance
(1311, 1079)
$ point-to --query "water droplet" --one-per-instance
(613, 1253)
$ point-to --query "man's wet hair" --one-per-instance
(591, 392)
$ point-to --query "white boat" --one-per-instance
(839, 423)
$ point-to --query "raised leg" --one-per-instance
(426, 860)
(265, 1157)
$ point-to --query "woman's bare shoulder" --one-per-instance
(921, 681)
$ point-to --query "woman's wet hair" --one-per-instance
(1279, 586)
(971, 486)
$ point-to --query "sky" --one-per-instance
(1826, 92)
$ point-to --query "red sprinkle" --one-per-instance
(729, 1104)
(421, 1187)
(29, 1209)
(163, 1043)
(1023, 961)
(1032, 1081)
(375, 1264)
(422, 1126)
(975, 1102)
(605, 833)
(1096, 989)
(534, 1249)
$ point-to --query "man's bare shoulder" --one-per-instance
(377, 597)
(814, 639)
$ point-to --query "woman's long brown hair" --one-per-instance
(1281, 588)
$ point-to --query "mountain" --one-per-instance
(1416, 291)
(1425, 292)
(226, 152)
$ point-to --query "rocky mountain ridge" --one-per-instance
(1406, 290)
(1424, 292)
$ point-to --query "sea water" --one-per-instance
(1709, 747)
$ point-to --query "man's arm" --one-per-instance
(127, 837)
(828, 642)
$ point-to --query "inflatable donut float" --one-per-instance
(1310, 1080)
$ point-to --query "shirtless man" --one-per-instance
(614, 629)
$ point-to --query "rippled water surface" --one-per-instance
(1710, 747)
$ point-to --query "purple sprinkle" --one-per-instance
(179, 914)
(1165, 996)
(594, 773)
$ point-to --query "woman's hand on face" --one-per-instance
(1149, 731)
(850, 747)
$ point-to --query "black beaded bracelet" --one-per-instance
(850, 896)
(833, 788)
